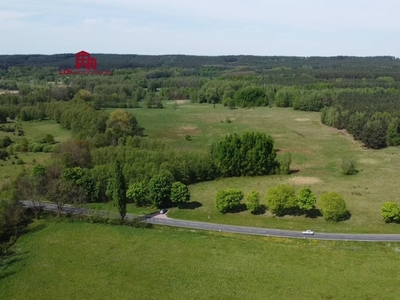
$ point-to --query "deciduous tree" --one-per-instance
(179, 193)
(281, 199)
(333, 206)
(228, 200)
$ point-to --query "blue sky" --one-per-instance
(207, 27)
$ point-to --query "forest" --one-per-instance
(356, 94)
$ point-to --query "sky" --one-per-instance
(206, 27)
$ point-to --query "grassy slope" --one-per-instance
(317, 152)
(92, 261)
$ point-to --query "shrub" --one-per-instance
(306, 200)
(284, 163)
(333, 207)
(228, 200)
(348, 167)
(20, 162)
(390, 212)
(253, 202)
(281, 200)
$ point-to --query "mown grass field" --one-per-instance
(317, 153)
(62, 260)
(34, 131)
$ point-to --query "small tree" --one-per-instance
(390, 212)
(119, 190)
(281, 199)
(228, 200)
(179, 193)
(284, 163)
(253, 202)
(333, 206)
(306, 200)
(348, 167)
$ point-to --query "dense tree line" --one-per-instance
(250, 154)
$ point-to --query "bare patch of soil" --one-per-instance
(8, 92)
(302, 180)
(180, 101)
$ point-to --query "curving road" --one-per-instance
(159, 219)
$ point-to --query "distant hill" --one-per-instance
(120, 61)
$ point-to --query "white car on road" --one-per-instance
(308, 232)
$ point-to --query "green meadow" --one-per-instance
(67, 260)
(317, 153)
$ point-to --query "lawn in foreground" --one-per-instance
(62, 260)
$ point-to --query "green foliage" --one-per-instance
(138, 193)
(349, 167)
(11, 217)
(393, 133)
(250, 96)
(251, 154)
(159, 188)
(179, 193)
(390, 212)
(285, 161)
(75, 153)
(281, 200)
(228, 200)
(374, 134)
(5, 142)
(253, 202)
(333, 206)
(121, 124)
(119, 189)
(49, 139)
(306, 200)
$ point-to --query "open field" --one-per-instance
(317, 153)
(34, 131)
(166, 263)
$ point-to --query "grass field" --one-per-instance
(317, 153)
(61, 260)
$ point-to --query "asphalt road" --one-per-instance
(164, 220)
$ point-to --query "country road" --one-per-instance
(159, 219)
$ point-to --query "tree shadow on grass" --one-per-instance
(239, 208)
(190, 205)
(314, 213)
(260, 210)
(346, 216)
(294, 171)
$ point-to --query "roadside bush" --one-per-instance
(179, 193)
(229, 200)
(253, 202)
(306, 200)
(281, 200)
(390, 212)
(333, 207)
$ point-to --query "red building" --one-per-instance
(83, 60)
(84, 65)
